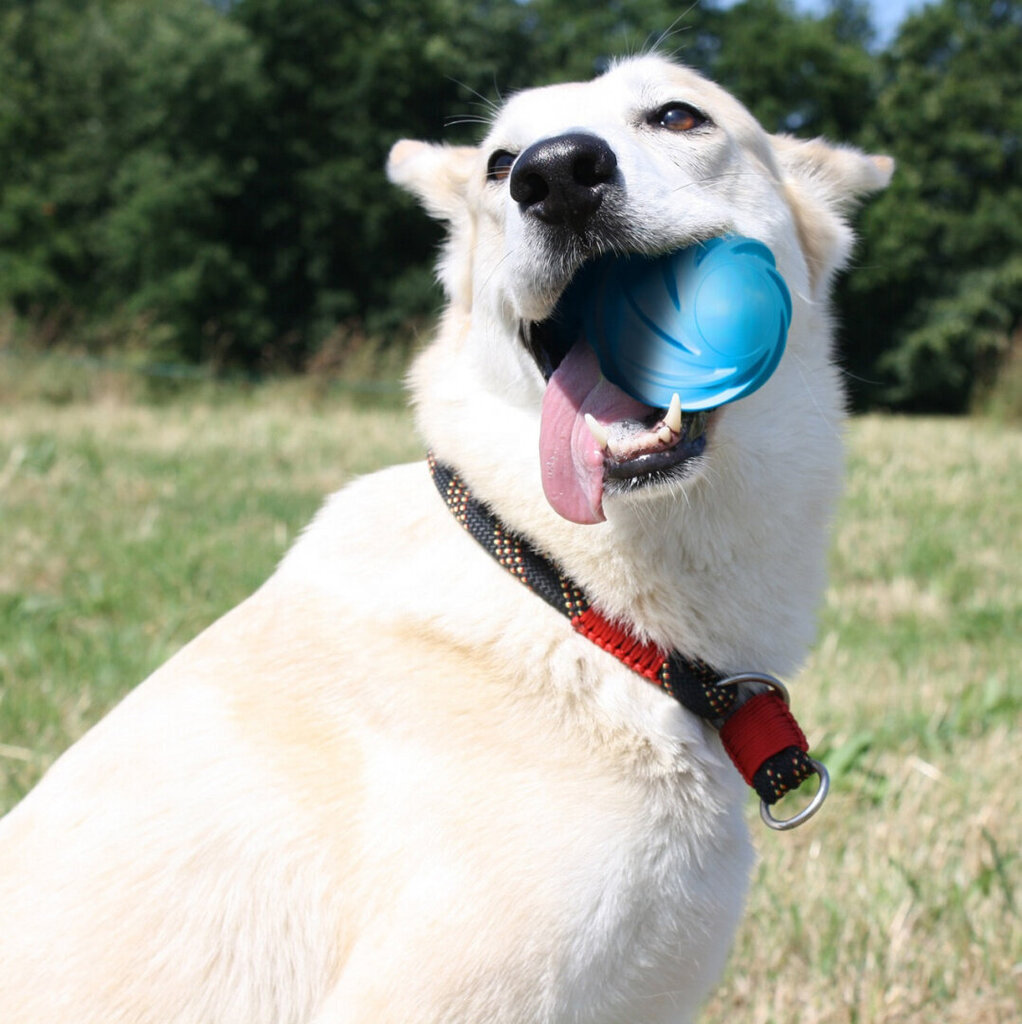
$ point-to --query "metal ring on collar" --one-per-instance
(784, 824)
(759, 677)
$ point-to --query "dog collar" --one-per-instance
(756, 726)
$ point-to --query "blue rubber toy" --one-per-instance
(708, 321)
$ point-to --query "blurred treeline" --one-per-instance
(202, 182)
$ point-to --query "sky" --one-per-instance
(887, 14)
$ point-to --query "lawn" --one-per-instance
(126, 526)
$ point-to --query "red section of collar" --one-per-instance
(756, 731)
(646, 659)
(761, 727)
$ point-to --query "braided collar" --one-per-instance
(759, 732)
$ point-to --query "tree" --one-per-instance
(937, 293)
(219, 169)
(812, 76)
(328, 237)
(120, 160)
(574, 40)
(216, 168)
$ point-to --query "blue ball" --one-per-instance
(708, 321)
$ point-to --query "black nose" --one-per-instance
(562, 180)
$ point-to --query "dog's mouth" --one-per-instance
(597, 440)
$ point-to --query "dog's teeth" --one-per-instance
(598, 432)
(665, 434)
(673, 417)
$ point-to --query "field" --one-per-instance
(126, 526)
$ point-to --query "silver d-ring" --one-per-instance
(783, 824)
(759, 677)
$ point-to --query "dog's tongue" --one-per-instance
(570, 456)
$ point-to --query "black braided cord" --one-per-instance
(691, 682)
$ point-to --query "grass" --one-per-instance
(127, 525)
(903, 903)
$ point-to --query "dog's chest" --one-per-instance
(543, 834)
(546, 891)
(549, 878)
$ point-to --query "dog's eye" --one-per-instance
(678, 117)
(499, 166)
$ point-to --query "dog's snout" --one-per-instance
(562, 180)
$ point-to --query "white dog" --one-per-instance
(395, 785)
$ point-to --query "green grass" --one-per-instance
(126, 526)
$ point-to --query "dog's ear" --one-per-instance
(822, 183)
(437, 175)
(838, 174)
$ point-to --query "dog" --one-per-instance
(395, 784)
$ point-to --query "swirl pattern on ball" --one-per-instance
(708, 321)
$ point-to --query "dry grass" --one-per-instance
(125, 527)
(902, 901)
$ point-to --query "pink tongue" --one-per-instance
(571, 459)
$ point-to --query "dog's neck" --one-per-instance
(759, 733)
(730, 567)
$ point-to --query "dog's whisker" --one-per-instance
(656, 45)
(493, 107)
(811, 393)
(462, 122)
(714, 179)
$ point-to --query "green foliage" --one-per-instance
(815, 76)
(936, 297)
(329, 237)
(223, 174)
(962, 341)
(203, 181)
(574, 40)
(120, 162)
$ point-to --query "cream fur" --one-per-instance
(393, 786)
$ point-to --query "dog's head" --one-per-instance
(648, 158)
